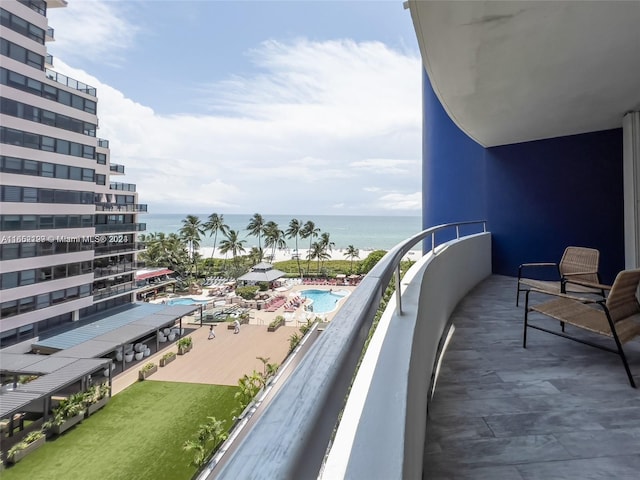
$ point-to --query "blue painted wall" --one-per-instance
(538, 197)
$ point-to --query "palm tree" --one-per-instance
(255, 228)
(232, 244)
(255, 256)
(352, 253)
(273, 237)
(198, 448)
(295, 226)
(214, 224)
(191, 230)
(168, 251)
(310, 231)
(319, 252)
(326, 243)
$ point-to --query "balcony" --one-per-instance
(69, 82)
(120, 228)
(116, 168)
(114, 291)
(50, 35)
(116, 207)
(557, 409)
(110, 249)
(99, 272)
(126, 187)
(103, 143)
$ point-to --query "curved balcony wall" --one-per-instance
(295, 429)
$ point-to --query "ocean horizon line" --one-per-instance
(362, 231)
(200, 214)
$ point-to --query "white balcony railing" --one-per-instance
(291, 436)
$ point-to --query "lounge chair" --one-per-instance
(617, 316)
(577, 273)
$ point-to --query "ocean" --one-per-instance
(363, 232)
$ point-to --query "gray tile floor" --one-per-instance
(555, 410)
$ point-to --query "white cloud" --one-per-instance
(92, 30)
(324, 127)
(397, 201)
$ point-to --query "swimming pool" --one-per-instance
(324, 301)
(185, 301)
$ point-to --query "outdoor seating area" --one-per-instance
(576, 272)
(340, 280)
(218, 282)
(616, 317)
(274, 303)
(557, 409)
(293, 304)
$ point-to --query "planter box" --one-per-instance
(67, 424)
(94, 407)
(273, 328)
(142, 375)
(183, 350)
(166, 361)
(26, 451)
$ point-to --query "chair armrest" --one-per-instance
(593, 272)
(597, 286)
(539, 264)
(564, 295)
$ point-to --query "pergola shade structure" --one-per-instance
(262, 272)
(74, 354)
(55, 374)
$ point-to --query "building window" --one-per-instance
(21, 54)
(32, 86)
(44, 169)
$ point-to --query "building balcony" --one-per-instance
(50, 35)
(103, 143)
(126, 187)
(116, 207)
(69, 82)
(120, 228)
(99, 272)
(113, 291)
(112, 248)
(450, 345)
(116, 169)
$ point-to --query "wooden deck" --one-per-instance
(555, 410)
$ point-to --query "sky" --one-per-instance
(276, 107)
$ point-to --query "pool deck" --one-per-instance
(225, 359)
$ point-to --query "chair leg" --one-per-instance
(518, 290)
(526, 313)
(623, 357)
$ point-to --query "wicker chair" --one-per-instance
(617, 316)
(577, 271)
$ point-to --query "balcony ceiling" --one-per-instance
(508, 72)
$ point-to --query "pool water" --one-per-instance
(185, 301)
(324, 301)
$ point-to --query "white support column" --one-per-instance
(631, 174)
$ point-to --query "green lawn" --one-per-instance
(139, 434)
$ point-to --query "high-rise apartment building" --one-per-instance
(67, 230)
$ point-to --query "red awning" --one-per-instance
(143, 275)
